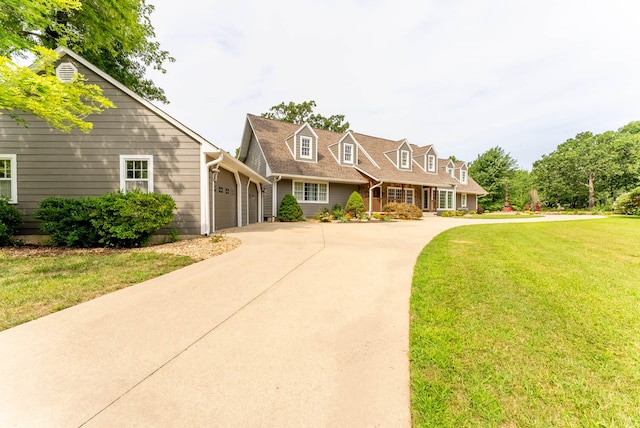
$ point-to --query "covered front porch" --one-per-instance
(378, 196)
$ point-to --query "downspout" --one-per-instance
(210, 207)
(248, 183)
(371, 196)
(274, 197)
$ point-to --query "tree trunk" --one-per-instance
(592, 197)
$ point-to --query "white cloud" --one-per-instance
(463, 75)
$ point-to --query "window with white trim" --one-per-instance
(404, 159)
(408, 196)
(449, 170)
(463, 200)
(394, 194)
(8, 178)
(431, 163)
(136, 172)
(347, 156)
(305, 148)
(463, 176)
(445, 199)
(311, 192)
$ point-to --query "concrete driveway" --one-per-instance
(303, 325)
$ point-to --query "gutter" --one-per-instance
(210, 207)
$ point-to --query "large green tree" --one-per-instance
(116, 36)
(492, 170)
(303, 112)
(590, 169)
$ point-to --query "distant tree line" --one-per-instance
(586, 171)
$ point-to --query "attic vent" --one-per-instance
(65, 72)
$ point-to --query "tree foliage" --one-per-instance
(590, 169)
(115, 36)
(303, 112)
(492, 170)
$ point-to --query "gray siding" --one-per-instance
(52, 163)
(472, 201)
(338, 194)
(255, 159)
(348, 140)
(267, 201)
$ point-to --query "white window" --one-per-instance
(463, 176)
(404, 159)
(463, 200)
(445, 199)
(408, 196)
(311, 192)
(305, 147)
(450, 171)
(136, 172)
(394, 194)
(348, 153)
(431, 163)
(8, 178)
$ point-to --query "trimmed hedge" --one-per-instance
(10, 221)
(112, 220)
(289, 209)
(403, 210)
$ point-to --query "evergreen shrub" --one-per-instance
(355, 205)
(289, 209)
(403, 210)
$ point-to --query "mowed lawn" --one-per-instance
(528, 325)
(31, 287)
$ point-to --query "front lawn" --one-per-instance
(31, 287)
(499, 216)
(528, 325)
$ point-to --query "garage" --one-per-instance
(225, 194)
(253, 203)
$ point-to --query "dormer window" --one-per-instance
(347, 156)
(305, 147)
(404, 159)
(431, 163)
(65, 72)
(449, 170)
(463, 176)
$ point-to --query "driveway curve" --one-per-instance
(305, 324)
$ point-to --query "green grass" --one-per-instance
(501, 216)
(31, 287)
(528, 325)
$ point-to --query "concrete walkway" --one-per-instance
(303, 325)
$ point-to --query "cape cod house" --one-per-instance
(322, 168)
(135, 145)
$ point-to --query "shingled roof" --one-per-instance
(372, 164)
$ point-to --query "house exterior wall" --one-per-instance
(338, 194)
(52, 163)
(255, 159)
(472, 202)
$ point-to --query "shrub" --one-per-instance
(471, 212)
(130, 219)
(10, 221)
(403, 210)
(355, 205)
(289, 209)
(68, 221)
(337, 211)
(445, 214)
(480, 209)
(628, 203)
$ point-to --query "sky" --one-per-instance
(464, 76)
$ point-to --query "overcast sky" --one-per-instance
(462, 75)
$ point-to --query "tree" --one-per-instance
(303, 112)
(355, 205)
(62, 105)
(115, 36)
(590, 169)
(491, 170)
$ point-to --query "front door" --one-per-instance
(425, 198)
